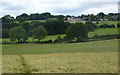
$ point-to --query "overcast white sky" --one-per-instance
(57, 7)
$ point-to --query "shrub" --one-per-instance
(112, 26)
(105, 26)
(58, 40)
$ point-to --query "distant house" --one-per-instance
(103, 19)
(74, 19)
(114, 18)
(85, 19)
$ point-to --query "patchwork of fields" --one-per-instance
(89, 57)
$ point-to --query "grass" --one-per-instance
(104, 31)
(35, 20)
(73, 62)
(16, 49)
(89, 57)
(100, 22)
(11, 64)
(107, 22)
(103, 62)
(50, 37)
(0, 58)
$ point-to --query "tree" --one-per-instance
(23, 17)
(90, 26)
(92, 17)
(17, 33)
(26, 26)
(42, 16)
(7, 18)
(9, 25)
(60, 17)
(39, 33)
(34, 16)
(77, 30)
(5, 33)
(54, 26)
(45, 16)
(101, 15)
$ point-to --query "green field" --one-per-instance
(101, 31)
(89, 57)
(107, 22)
(104, 31)
(101, 22)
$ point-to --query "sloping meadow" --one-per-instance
(90, 57)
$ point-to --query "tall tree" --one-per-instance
(54, 26)
(7, 18)
(17, 33)
(60, 17)
(101, 15)
(23, 17)
(39, 33)
(77, 30)
(5, 33)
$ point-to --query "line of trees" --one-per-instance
(73, 31)
(44, 16)
(101, 16)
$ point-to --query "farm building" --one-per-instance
(74, 19)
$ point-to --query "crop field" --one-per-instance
(88, 57)
(100, 31)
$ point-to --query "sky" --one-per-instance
(57, 7)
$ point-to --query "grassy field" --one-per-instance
(89, 57)
(101, 22)
(104, 31)
(101, 31)
(13, 49)
(107, 22)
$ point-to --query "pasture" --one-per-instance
(99, 22)
(88, 57)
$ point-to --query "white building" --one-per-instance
(74, 19)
